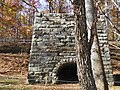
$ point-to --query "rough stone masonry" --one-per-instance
(52, 55)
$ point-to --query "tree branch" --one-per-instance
(113, 26)
(30, 5)
(116, 4)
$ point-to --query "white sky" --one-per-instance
(44, 5)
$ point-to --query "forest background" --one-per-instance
(16, 21)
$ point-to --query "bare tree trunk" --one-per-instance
(50, 7)
(98, 69)
(84, 69)
(96, 59)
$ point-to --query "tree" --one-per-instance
(84, 69)
(96, 59)
(58, 6)
(9, 14)
(31, 3)
(18, 18)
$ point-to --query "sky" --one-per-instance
(44, 5)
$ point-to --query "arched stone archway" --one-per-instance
(65, 72)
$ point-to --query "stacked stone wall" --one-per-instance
(53, 44)
(53, 41)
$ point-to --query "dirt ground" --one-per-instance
(13, 74)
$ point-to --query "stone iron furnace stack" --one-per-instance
(53, 49)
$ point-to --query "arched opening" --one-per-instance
(67, 73)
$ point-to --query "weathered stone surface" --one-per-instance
(53, 44)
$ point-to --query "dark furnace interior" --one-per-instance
(67, 73)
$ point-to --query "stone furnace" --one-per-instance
(52, 55)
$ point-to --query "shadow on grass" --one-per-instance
(116, 79)
(10, 88)
(8, 83)
(6, 88)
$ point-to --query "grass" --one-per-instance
(9, 81)
(18, 83)
(12, 83)
(13, 88)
